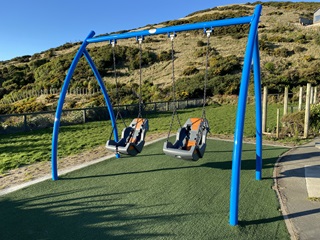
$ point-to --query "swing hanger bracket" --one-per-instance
(172, 35)
(208, 31)
(113, 42)
(140, 39)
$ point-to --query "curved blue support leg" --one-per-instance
(238, 135)
(105, 94)
(257, 91)
(63, 93)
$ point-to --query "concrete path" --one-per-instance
(298, 186)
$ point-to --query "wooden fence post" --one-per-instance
(315, 95)
(264, 109)
(25, 123)
(300, 99)
(307, 112)
(285, 101)
(278, 123)
(84, 116)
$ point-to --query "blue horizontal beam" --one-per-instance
(174, 29)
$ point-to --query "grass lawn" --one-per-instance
(151, 196)
(26, 148)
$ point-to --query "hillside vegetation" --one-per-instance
(290, 56)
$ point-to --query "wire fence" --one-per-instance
(17, 96)
(13, 123)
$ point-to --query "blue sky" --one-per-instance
(33, 26)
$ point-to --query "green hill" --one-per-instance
(290, 56)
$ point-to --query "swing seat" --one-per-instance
(190, 141)
(132, 138)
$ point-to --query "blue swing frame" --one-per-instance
(251, 57)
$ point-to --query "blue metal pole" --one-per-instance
(174, 29)
(63, 93)
(238, 135)
(257, 91)
(106, 96)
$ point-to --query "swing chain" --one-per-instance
(140, 39)
(113, 44)
(174, 113)
(208, 32)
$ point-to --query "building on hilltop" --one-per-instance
(316, 16)
(305, 21)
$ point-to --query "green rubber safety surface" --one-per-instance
(150, 196)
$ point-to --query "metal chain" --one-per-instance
(113, 43)
(172, 36)
(140, 77)
(208, 32)
(117, 116)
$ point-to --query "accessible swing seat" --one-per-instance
(132, 138)
(190, 141)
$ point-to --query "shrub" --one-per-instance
(270, 67)
(315, 117)
(282, 52)
(298, 49)
(35, 56)
(238, 35)
(66, 46)
(70, 104)
(282, 29)
(278, 38)
(190, 71)
(275, 13)
(263, 37)
(317, 39)
(13, 122)
(301, 38)
(5, 108)
(266, 46)
(308, 58)
(151, 40)
(201, 43)
(229, 84)
(50, 53)
(40, 121)
(201, 52)
(293, 124)
(74, 117)
(224, 65)
(37, 63)
(29, 106)
(22, 59)
(2, 92)
(165, 56)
